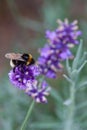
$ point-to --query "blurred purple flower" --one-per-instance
(49, 61)
(65, 33)
(23, 74)
(58, 47)
(39, 95)
(25, 78)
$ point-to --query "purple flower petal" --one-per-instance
(66, 54)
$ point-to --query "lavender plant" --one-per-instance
(31, 79)
(69, 110)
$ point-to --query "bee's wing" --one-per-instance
(14, 56)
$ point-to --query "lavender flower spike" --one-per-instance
(68, 33)
(49, 61)
(38, 91)
(57, 48)
(65, 33)
(23, 74)
(25, 78)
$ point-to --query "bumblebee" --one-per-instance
(20, 59)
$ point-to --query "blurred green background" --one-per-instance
(22, 29)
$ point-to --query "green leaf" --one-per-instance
(68, 68)
(78, 56)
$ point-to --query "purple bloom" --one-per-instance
(49, 61)
(51, 35)
(58, 47)
(68, 33)
(65, 33)
(25, 77)
(66, 53)
(23, 74)
(39, 95)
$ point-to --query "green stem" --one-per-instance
(27, 115)
(71, 107)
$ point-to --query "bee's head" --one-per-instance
(25, 56)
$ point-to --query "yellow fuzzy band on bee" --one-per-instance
(29, 59)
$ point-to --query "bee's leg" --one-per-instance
(14, 69)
